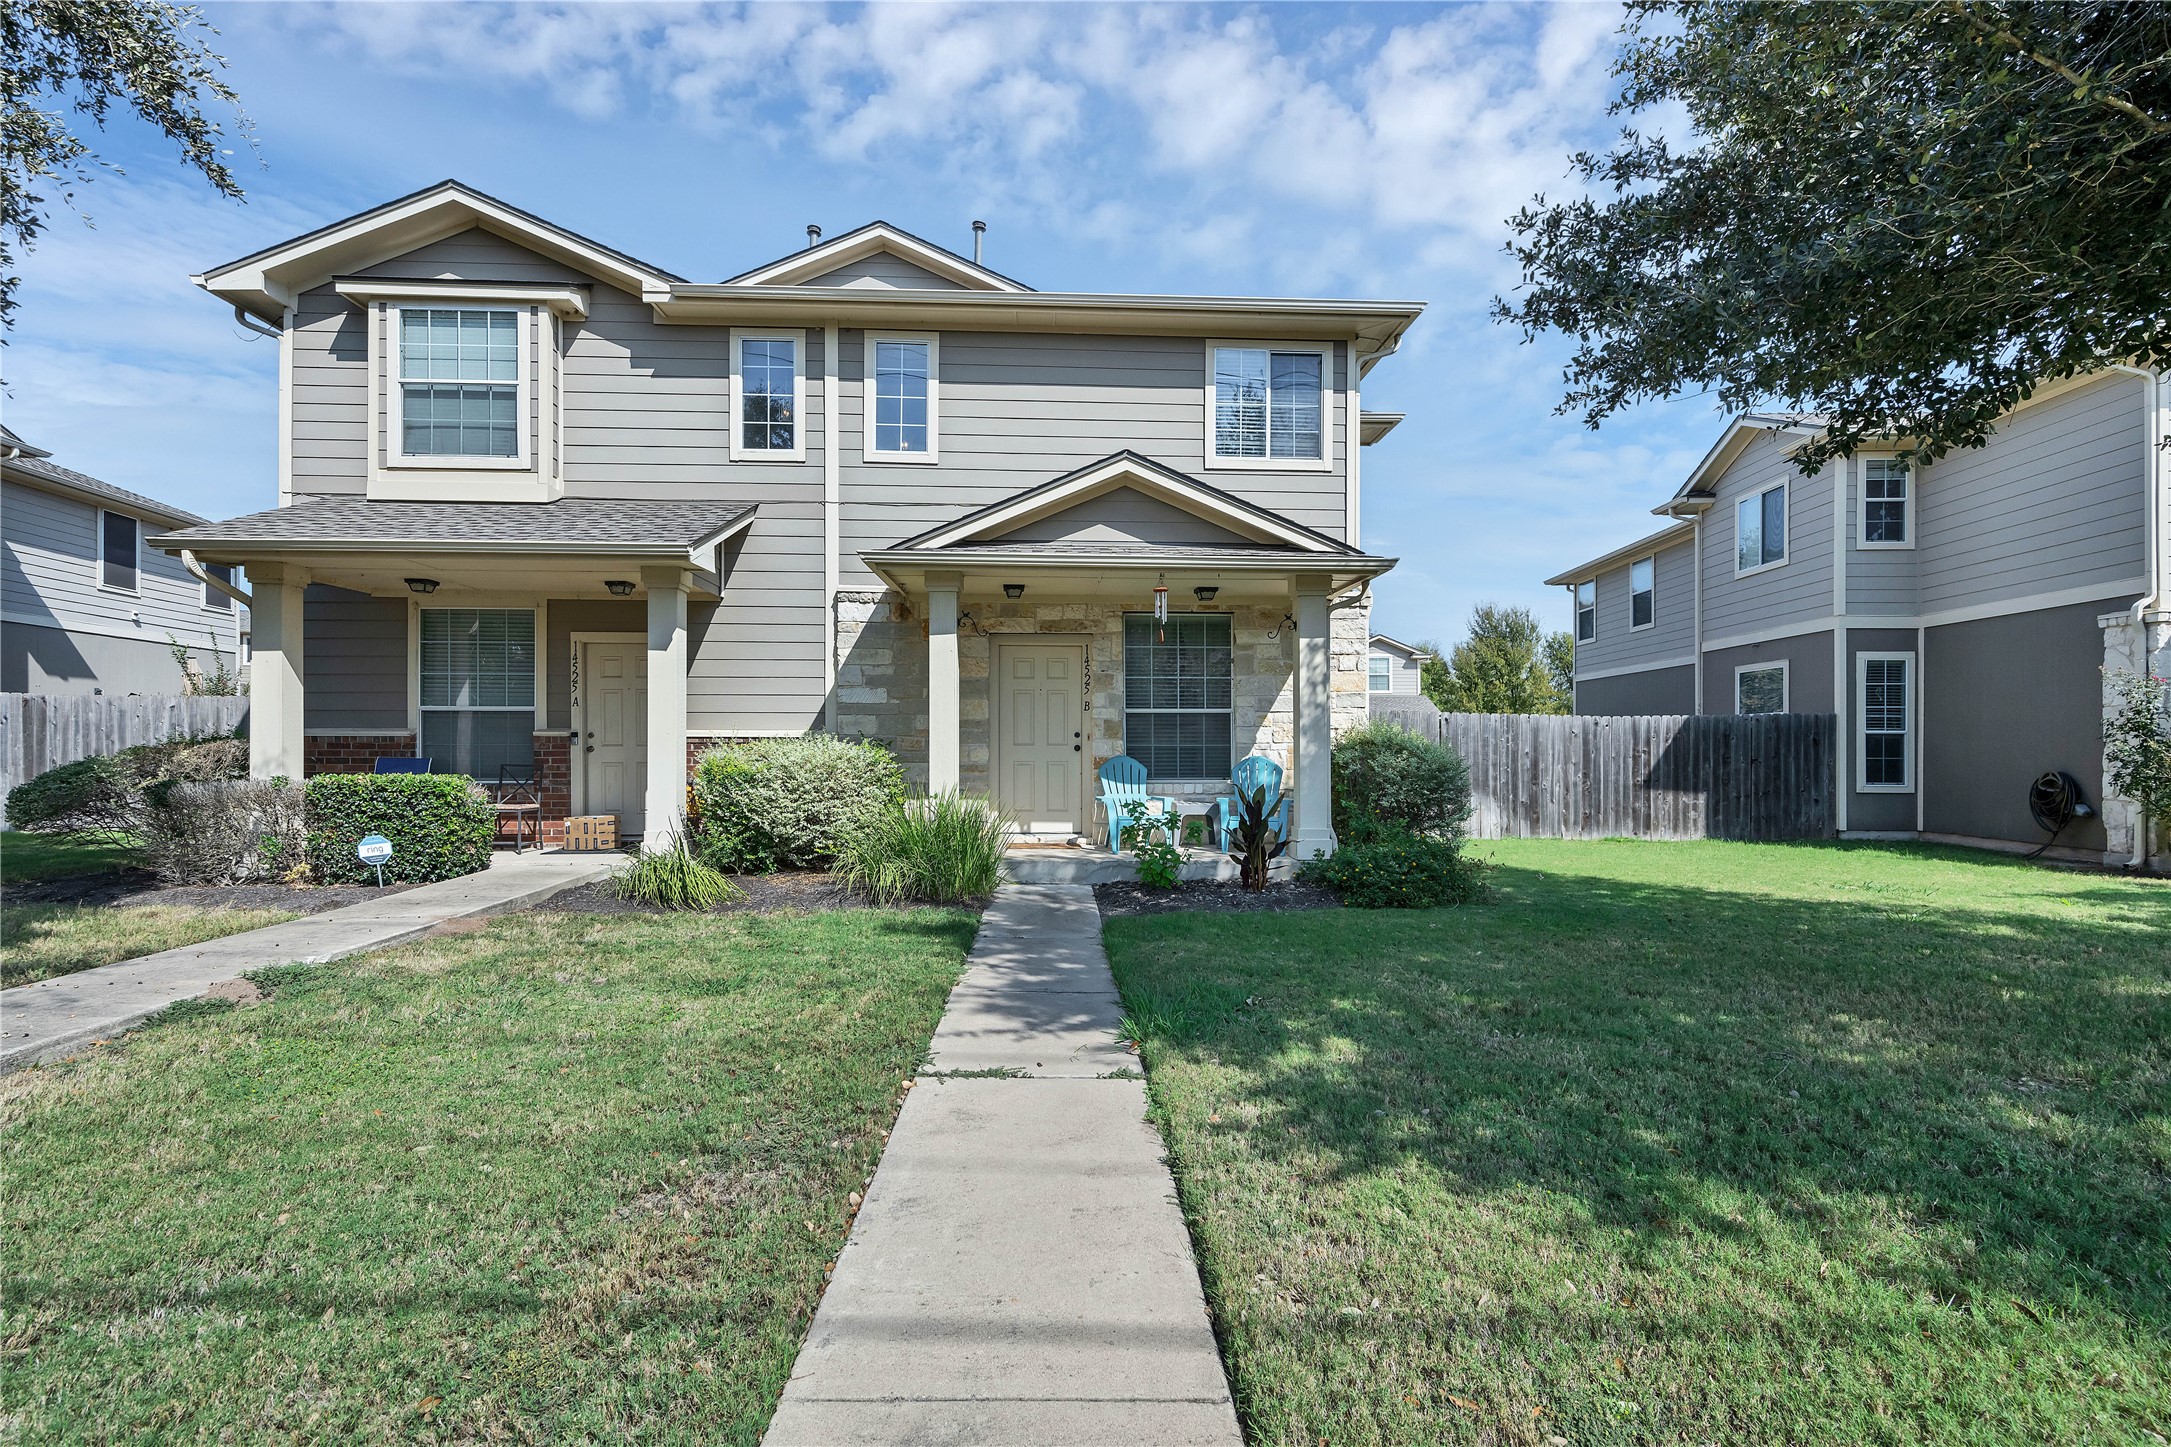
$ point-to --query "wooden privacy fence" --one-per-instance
(1663, 776)
(40, 731)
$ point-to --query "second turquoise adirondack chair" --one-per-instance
(1248, 775)
(1125, 800)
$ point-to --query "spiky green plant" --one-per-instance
(672, 878)
(947, 848)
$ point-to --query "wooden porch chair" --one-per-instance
(1125, 801)
(1250, 773)
(518, 798)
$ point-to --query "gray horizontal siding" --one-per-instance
(49, 574)
(330, 338)
(1124, 515)
(1672, 634)
(884, 270)
(1801, 590)
(474, 255)
(1880, 581)
(354, 660)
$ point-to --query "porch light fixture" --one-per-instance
(620, 587)
(1013, 590)
(1204, 595)
(421, 585)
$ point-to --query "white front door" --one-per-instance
(1040, 736)
(614, 731)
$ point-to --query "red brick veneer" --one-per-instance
(350, 753)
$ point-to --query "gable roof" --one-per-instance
(812, 262)
(567, 526)
(14, 446)
(266, 282)
(1739, 433)
(1409, 650)
(22, 463)
(1645, 547)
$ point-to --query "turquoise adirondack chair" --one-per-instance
(1124, 798)
(1248, 775)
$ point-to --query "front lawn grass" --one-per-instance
(1681, 1143)
(39, 941)
(565, 1178)
(25, 856)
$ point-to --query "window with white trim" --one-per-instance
(1760, 530)
(902, 421)
(1269, 404)
(213, 598)
(1885, 737)
(1642, 592)
(1887, 504)
(478, 690)
(1178, 683)
(1761, 688)
(117, 549)
(1382, 675)
(1586, 611)
(459, 382)
(768, 395)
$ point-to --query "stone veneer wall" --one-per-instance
(882, 673)
(2133, 646)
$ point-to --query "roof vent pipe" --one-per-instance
(814, 236)
(979, 234)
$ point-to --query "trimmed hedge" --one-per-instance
(1393, 780)
(791, 803)
(441, 826)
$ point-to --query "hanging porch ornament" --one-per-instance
(1160, 608)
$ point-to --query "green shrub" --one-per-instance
(106, 795)
(1390, 779)
(673, 879)
(1392, 870)
(1160, 862)
(229, 831)
(441, 826)
(790, 803)
(947, 849)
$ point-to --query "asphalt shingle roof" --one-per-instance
(575, 523)
(31, 462)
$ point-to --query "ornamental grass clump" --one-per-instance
(946, 849)
(673, 878)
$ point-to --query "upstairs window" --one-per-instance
(478, 689)
(1760, 531)
(213, 598)
(1382, 676)
(1642, 592)
(1177, 690)
(1887, 503)
(459, 372)
(1269, 405)
(768, 394)
(1586, 611)
(1885, 737)
(117, 551)
(902, 420)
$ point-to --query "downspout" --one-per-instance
(203, 576)
(250, 323)
(2156, 440)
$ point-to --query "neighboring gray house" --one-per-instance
(1956, 615)
(1392, 666)
(545, 504)
(88, 607)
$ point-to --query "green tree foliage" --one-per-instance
(1903, 216)
(86, 56)
(1560, 667)
(1507, 665)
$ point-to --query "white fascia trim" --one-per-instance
(564, 301)
(1786, 682)
(1330, 397)
(734, 419)
(868, 382)
(152, 632)
(1373, 426)
(1108, 478)
(814, 261)
(1590, 675)
(2034, 602)
(1663, 541)
(1803, 629)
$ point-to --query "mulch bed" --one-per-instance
(764, 894)
(1215, 896)
(125, 888)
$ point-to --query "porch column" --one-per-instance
(942, 688)
(275, 672)
(1315, 721)
(664, 806)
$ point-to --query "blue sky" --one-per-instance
(1297, 150)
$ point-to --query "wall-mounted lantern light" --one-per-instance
(1204, 595)
(1013, 590)
(421, 585)
(620, 587)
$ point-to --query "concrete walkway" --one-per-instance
(1019, 1272)
(57, 1017)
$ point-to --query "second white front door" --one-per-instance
(1040, 736)
(614, 732)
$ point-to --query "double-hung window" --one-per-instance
(1887, 504)
(1760, 688)
(1760, 530)
(213, 598)
(459, 384)
(768, 394)
(117, 551)
(903, 422)
(1586, 611)
(1886, 739)
(478, 689)
(1177, 687)
(1269, 406)
(1642, 592)
(1382, 674)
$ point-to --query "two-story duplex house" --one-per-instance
(89, 606)
(1957, 615)
(545, 504)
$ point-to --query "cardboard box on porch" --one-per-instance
(589, 832)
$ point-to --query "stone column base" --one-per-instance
(2133, 646)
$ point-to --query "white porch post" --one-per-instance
(942, 687)
(1315, 721)
(275, 674)
(665, 802)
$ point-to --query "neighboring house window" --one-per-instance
(901, 386)
(478, 689)
(1887, 503)
(768, 389)
(213, 598)
(1586, 611)
(1760, 530)
(1761, 688)
(117, 551)
(248, 649)
(1176, 694)
(1642, 592)
(1886, 736)
(1383, 674)
(459, 382)
(1269, 404)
